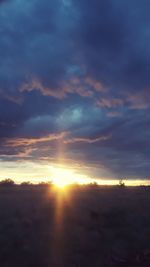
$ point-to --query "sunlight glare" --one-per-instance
(61, 177)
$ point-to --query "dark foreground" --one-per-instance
(83, 227)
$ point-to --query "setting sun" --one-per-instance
(62, 177)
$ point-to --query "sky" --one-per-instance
(75, 88)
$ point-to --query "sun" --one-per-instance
(60, 183)
(62, 177)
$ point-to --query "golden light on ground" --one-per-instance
(61, 177)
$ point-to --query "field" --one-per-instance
(81, 227)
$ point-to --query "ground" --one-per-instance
(82, 227)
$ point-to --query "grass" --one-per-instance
(101, 226)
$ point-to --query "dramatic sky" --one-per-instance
(75, 87)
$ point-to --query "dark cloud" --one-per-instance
(75, 75)
(114, 42)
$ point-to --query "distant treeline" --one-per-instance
(10, 183)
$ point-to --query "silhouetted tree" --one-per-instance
(7, 182)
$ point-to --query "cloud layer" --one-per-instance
(74, 84)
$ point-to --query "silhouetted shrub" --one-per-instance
(93, 185)
(121, 183)
(25, 183)
(7, 182)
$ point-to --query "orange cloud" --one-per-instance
(138, 101)
(36, 84)
(82, 86)
(15, 99)
(110, 102)
(96, 85)
(18, 142)
(86, 140)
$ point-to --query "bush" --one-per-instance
(94, 185)
(45, 184)
(7, 182)
(121, 183)
(25, 183)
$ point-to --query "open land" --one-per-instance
(80, 227)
